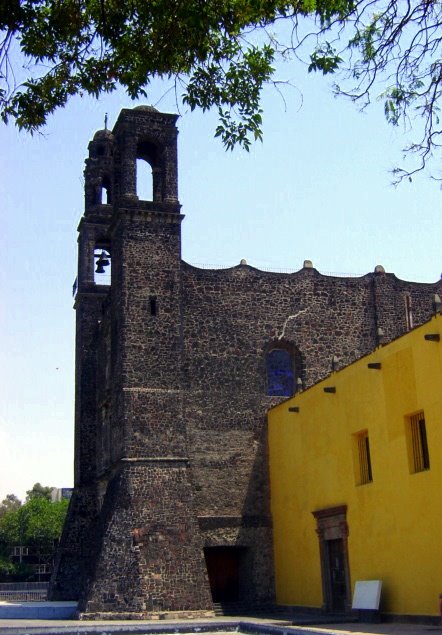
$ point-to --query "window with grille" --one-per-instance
(363, 471)
(418, 455)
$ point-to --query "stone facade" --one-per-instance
(171, 502)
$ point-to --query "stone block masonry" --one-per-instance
(151, 556)
(174, 376)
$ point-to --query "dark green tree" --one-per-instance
(220, 53)
(39, 491)
(38, 521)
(10, 503)
(36, 524)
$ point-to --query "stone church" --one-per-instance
(176, 368)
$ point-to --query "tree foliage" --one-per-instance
(10, 503)
(391, 51)
(220, 54)
(39, 491)
(37, 522)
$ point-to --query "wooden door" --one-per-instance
(336, 574)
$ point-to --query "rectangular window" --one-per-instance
(153, 305)
(362, 459)
(418, 456)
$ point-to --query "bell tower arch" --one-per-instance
(144, 133)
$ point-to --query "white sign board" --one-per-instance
(367, 595)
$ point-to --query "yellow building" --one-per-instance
(356, 481)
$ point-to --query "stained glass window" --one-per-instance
(280, 375)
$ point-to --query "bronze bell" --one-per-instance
(102, 262)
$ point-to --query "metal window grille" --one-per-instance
(419, 443)
(365, 472)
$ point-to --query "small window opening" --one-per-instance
(280, 375)
(418, 454)
(363, 471)
(100, 151)
(105, 191)
(153, 305)
(102, 266)
(144, 180)
(408, 312)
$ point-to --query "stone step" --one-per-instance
(245, 608)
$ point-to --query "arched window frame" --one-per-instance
(147, 153)
(282, 376)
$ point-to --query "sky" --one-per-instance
(317, 188)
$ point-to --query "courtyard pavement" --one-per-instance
(220, 625)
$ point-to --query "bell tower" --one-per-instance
(77, 549)
(132, 537)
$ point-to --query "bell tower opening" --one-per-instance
(105, 191)
(148, 169)
(144, 180)
(102, 266)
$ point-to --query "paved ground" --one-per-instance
(273, 626)
(385, 629)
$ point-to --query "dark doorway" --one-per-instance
(332, 530)
(336, 563)
(223, 568)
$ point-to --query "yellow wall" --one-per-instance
(395, 522)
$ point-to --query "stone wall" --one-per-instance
(230, 319)
(150, 558)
